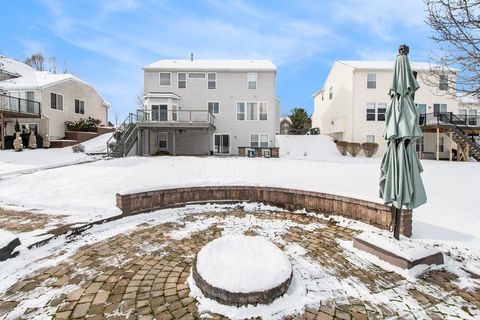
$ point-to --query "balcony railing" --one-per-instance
(19, 105)
(173, 116)
(438, 118)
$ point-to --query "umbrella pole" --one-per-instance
(397, 222)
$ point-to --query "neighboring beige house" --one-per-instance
(202, 107)
(352, 103)
(42, 101)
(285, 124)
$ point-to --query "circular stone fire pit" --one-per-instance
(241, 270)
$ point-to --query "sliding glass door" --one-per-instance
(221, 143)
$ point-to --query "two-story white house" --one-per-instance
(42, 101)
(353, 100)
(205, 107)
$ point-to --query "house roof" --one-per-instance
(208, 65)
(37, 80)
(14, 67)
(387, 65)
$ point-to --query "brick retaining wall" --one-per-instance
(369, 212)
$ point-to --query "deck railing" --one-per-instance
(19, 105)
(176, 116)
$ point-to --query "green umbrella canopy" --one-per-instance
(400, 181)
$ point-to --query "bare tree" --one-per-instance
(115, 115)
(37, 61)
(456, 31)
(52, 64)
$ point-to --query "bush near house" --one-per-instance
(86, 125)
(369, 149)
(342, 147)
(354, 148)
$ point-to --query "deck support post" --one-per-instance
(450, 155)
(174, 153)
(2, 131)
(437, 157)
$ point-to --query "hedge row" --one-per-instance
(354, 148)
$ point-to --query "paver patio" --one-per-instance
(143, 274)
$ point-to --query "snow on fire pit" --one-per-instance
(241, 270)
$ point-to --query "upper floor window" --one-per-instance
(371, 111)
(212, 80)
(165, 78)
(196, 75)
(79, 106)
(439, 108)
(214, 107)
(443, 83)
(371, 80)
(252, 80)
(240, 110)
(263, 111)
(56, 101)
(252, 111)
(322, 95)
(381, 110)
(182, 80)
(330, 93)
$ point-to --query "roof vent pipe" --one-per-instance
(191, 56)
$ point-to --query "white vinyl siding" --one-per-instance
(196, 75)
(56, 101)
(165, 78)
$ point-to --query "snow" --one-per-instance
(243, 264)
(6, 237)
(209, 65)
(97, 144)
(309, 147)
(28, 160)
(406, 248)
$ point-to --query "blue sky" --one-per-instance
(107, 42)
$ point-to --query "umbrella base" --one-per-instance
(405, 254)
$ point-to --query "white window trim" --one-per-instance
(246, 110)
(229, 144)
(218, 106)
(260, 140)
(160, 82)
(204, 76)
(374, 108)
(74, 105)
(209, 80)
(372, 80)
(63, 100)
(166, 140)
(186, 81)
(256, 80)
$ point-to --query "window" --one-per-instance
(29, 127)
(381, 110)
(56, 101)
(443, 83)
(263, 111)
(213, 107)
(182, 80)
(155, 113)
(330, 93)
(252, 111)
(79, 106)
(163, 140)
(371, 111)
(472, 117)
(371, 80)
(422, 113)
(196, 75)
(371, 138)
(240, 110)
(322, 95)
(441, 144)
(252, 80)
(212, 80)
(439, 108)
(165, 78)
(419, 145)
(30, 95)
(259, 140)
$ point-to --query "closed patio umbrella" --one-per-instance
(400, 181)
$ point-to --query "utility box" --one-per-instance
(251, 153)
(266, 153)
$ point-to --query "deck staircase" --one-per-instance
(462, 135)
(124, 138)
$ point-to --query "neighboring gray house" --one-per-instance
(202, 107)
(42, 101)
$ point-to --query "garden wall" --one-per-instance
(372, 213)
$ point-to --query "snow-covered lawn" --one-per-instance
(87, 192)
